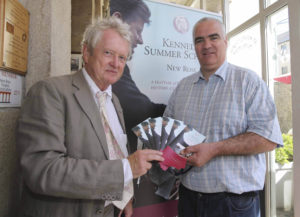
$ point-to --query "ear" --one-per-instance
(117, 14)
(85, 54)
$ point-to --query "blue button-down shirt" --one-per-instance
(233, 101)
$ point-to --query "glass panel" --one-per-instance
(241, 11)
(279, 72)
(269, 2)
(245, 49)
(213, 6)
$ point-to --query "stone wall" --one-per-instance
(9, 176)
(283, 101)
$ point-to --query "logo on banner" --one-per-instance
(181, 24)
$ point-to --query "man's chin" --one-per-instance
(114, 80)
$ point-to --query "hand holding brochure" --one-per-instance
(170, 136)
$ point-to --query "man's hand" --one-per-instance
(243, 144)
(140, 161)
(199, 155)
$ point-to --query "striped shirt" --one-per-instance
(233, 101)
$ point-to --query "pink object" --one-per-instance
(172, 159)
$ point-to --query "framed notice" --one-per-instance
(10, 89)
(14, 29)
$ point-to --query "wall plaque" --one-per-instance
(14, 29)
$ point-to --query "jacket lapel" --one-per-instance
(119, 111)
(86, 101)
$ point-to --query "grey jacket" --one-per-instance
(63, 151)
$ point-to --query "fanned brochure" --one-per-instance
(169, 136)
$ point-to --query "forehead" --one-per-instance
(138, 23)
(208, 27)
(112, 40)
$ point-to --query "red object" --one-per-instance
(172, 159)
(165, 209)
(286, 79)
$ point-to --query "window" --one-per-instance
(244, 49)
(280, 84)
(269, 2)
(241, 11)
(247, 41)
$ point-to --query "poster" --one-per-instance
(167, 54)
(10, 89)
(165, 57)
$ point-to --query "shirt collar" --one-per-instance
(221, 72)
(94, 88)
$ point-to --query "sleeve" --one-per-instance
(53, 165)
(261, 111)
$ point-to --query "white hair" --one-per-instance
(209, 19)
(94, 31)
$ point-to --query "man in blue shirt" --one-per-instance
(233, 108)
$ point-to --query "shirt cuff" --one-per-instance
(127, 171)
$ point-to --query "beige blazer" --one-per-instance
(63, 151)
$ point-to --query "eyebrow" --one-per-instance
(209, 36)
(214, 34)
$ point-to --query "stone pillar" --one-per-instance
(49, 51)
(9, 178)
(48, 55)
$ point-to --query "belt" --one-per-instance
(222, 194)
(245, 194)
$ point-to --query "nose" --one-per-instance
(139, 39)
(114, 61)
(206, 43)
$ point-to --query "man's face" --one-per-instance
(105, 65)
(146, 128)
(152, 124)
(136, 28)
(210, 46)
(138, 133)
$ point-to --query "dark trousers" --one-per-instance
(195, 204)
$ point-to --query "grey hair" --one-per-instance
(209, 19)
(94, 31)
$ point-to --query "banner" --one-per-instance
(167, 54)
(163, 55)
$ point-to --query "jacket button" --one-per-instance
(98, 211)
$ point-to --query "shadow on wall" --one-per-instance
(10, 177)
